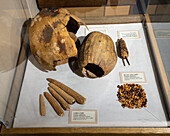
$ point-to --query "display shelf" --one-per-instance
(100, 93)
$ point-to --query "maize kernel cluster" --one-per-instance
(132, 96)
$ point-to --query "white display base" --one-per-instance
(101, 93)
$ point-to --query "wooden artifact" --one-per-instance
(63, 94)
(42, 106)
(62, 102)
(124, 54)
(79, 98)
(54, 104)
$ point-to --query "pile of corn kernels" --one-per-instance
(132, 96)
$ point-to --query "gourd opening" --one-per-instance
(95, 69)
(72, 26)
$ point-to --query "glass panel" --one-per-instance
(159, 12)
(12, 18)
(159, 22)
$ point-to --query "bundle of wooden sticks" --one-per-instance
(60, 97)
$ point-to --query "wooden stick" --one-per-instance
(63, 94)
(63, 103)
(127, 60)
(54, 104)
(123, 62)
(42, 106)
(79, 98)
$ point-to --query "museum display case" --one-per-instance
(89, 67)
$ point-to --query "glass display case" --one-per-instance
(84, 67)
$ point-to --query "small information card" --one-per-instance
(162, 33)
(132, 77)
(169, 74)
(133, 34)
(83, 117)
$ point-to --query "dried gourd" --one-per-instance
(52, 37)
(97, 56)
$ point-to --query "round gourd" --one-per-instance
(97, 56)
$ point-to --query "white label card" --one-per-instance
(169, 74)
(83, 117)
(162, 33)
(133, 34)
(132, 77)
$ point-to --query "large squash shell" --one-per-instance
(97, 56)
(50, 41)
